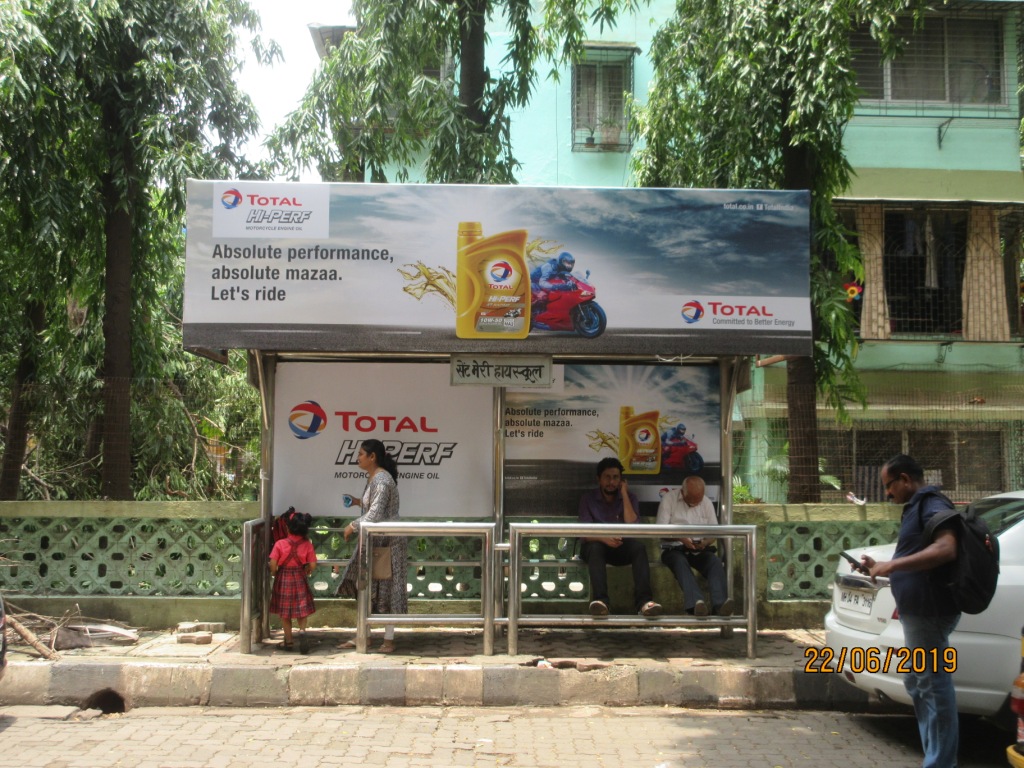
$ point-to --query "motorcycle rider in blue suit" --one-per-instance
(558, 267)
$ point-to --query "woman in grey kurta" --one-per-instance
(379, 504)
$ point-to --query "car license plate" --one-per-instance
(857, 600)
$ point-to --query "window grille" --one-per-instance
(600, 83)
(966, 461)
(923, 261)
(951, 61)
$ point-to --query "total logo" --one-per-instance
(268, 210)
(502, 276)
(644, 436)
(307, 420)
(231, 198)
(692, 312)
(501, 271)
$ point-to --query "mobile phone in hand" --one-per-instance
(857, 565)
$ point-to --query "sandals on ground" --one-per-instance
(347, 645)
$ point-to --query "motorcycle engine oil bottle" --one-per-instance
(492, 294)
(639, 441)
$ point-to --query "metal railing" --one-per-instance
(255, 581)
(520, 531)
(364, 619)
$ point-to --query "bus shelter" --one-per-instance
(500, 341)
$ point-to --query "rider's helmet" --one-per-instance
(566, 261)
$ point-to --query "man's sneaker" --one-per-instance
(651, 608)
(700, 609)
(726, 608)
(598, 608)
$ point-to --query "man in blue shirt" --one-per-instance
(613, 503)
(924, 604)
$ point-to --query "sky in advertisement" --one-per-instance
(678, 241)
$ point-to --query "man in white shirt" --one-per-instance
(691, 507)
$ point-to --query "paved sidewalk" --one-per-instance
(443, 737)
(614, 667)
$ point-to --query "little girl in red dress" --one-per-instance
(291, 561)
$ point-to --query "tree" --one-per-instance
(385, 100)
(757, 95)
(118, 102)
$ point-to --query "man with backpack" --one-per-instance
(926, 605)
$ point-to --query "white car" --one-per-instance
(864, 632)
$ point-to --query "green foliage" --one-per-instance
(118, 102)
(776, 470)
(741, 492)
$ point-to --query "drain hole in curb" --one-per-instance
(108, 701)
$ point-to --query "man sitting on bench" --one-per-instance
(613, 503)
(691, 507)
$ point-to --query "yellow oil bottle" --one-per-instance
(639, 441)
(492, 297)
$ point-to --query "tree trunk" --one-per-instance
(22, 398)
(798, 166)
(472, 69)
(802, 427)
(117, 351)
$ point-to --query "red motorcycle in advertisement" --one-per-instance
(679, 451)
(572, 309)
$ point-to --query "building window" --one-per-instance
(600, 83)
(923, 263)
(950, 60)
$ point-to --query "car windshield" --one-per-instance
(1000, 514)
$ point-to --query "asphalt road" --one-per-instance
(410, 737)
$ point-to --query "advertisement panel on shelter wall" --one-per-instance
(500, 269)
(439, 435)
(662, 422)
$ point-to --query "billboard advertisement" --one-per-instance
(498, 269)
(440, 436)
(662, 422)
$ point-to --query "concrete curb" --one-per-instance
(440, 667)
(147, 684)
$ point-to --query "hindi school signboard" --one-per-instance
(502, 371)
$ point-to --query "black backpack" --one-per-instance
(972, 577)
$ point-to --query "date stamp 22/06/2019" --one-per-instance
(874, 660)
